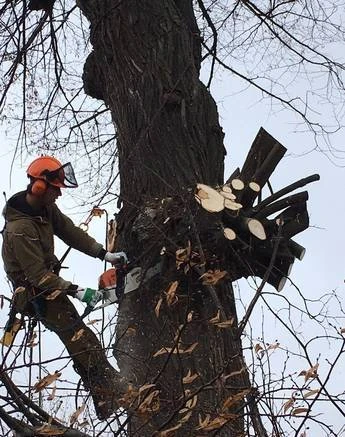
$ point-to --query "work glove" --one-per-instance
(88, 295)
(116, 258)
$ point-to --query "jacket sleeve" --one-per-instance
(72, 235)
(27, 250)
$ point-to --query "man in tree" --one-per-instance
(31, 221)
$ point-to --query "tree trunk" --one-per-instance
(145, 66)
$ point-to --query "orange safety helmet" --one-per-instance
(48, 170)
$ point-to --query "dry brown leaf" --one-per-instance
(164, 350)
(19, 290)
(52, 394)
(170, 293)
(170, 432)
(176, 350)
(288, 404)
(231, 400)
(215, 319)
(190, 316)
(300, 410)
(94, 321)
(158, 306)
(47, 277)
(78, 335)
(216, 423)
(273, 346)
(225, 324)
(342, 330)
(47, 380)
(183, 255)
(311, 393)
(189, 349)
(146, 387)
(53, 295)
(129, 397)
(258, 348)
(50, 431)
(74, 417)
(131, 331)
(191, 403)
(310, 373)
(189, 378)
(204, 422)
(31, 341)
(211, 277)
(232, 374)
(186, 417)
(150, 404)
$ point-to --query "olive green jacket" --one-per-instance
(28, 246)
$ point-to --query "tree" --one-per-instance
(178, 336)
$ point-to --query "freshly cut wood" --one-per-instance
(237, 184)
(228, 195)
(256, 228)
(226, 189)
(209, 198)
(229, 233)
(254, 186)
(230, 204)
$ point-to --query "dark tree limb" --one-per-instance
(275, 196)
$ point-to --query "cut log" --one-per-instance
(229, 233)
(237, 184)
(286, 190)
(262, 159)
(296, 249)
(282, 203)
(295, 220)
(254, 186)
(209, 198)
(233, 206)
(256, 228)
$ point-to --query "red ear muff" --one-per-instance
(39, 187)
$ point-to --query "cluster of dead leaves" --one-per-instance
(310, 373)
(187, 258)
(47, 380)
(289, 404)
(212, 277)
(170, 297)
(74, 416)
(145, 399)
(216, 321)
(178, 349)
(260, 349)
(77, 335)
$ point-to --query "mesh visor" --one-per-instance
(63, 176)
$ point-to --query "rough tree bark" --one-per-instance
(145, 65)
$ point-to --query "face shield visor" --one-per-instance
(62, 177)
